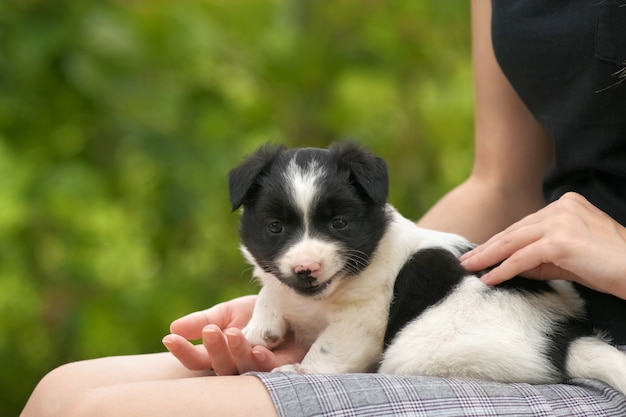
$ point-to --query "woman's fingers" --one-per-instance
(230, 352)
(500, 249)
(290, 352)
(241, 351)
(248, 358)
(216, 345)
(233, 313)
(526, 259)
(193, 357)
(227, 352)
(191, 325)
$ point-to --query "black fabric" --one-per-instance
(567, 61)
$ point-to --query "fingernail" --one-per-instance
(209, 335)
(259, 356)
(168, 344)
(233, 340)
(466, 255)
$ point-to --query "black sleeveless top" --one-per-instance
(567, 61)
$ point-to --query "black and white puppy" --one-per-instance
(369, 290)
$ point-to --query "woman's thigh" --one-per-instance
(152, 379)
(190, 397)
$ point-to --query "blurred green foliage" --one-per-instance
(119, 121)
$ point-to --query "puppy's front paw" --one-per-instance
(295, 368)
(263, 336)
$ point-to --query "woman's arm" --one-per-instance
(512, 151)
(570, 239)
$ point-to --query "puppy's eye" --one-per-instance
(338, 223)
(275, 227)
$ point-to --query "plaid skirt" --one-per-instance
(393, 395)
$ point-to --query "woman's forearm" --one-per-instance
(477, 210)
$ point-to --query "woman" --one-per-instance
(556, 120)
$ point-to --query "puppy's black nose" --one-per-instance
(305, 275)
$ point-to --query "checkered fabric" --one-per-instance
(391, 395)
(388, 395)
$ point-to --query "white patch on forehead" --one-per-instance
(303, 182)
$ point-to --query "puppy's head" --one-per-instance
(311, 217)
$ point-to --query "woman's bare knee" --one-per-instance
(55, 390)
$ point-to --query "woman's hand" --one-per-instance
(570, 239)
(224, 349)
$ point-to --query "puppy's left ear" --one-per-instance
(367, 171)
(243, 180)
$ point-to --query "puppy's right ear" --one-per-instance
(242, 180)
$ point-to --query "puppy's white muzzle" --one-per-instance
(311, 260)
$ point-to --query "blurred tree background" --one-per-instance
(119, 121)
